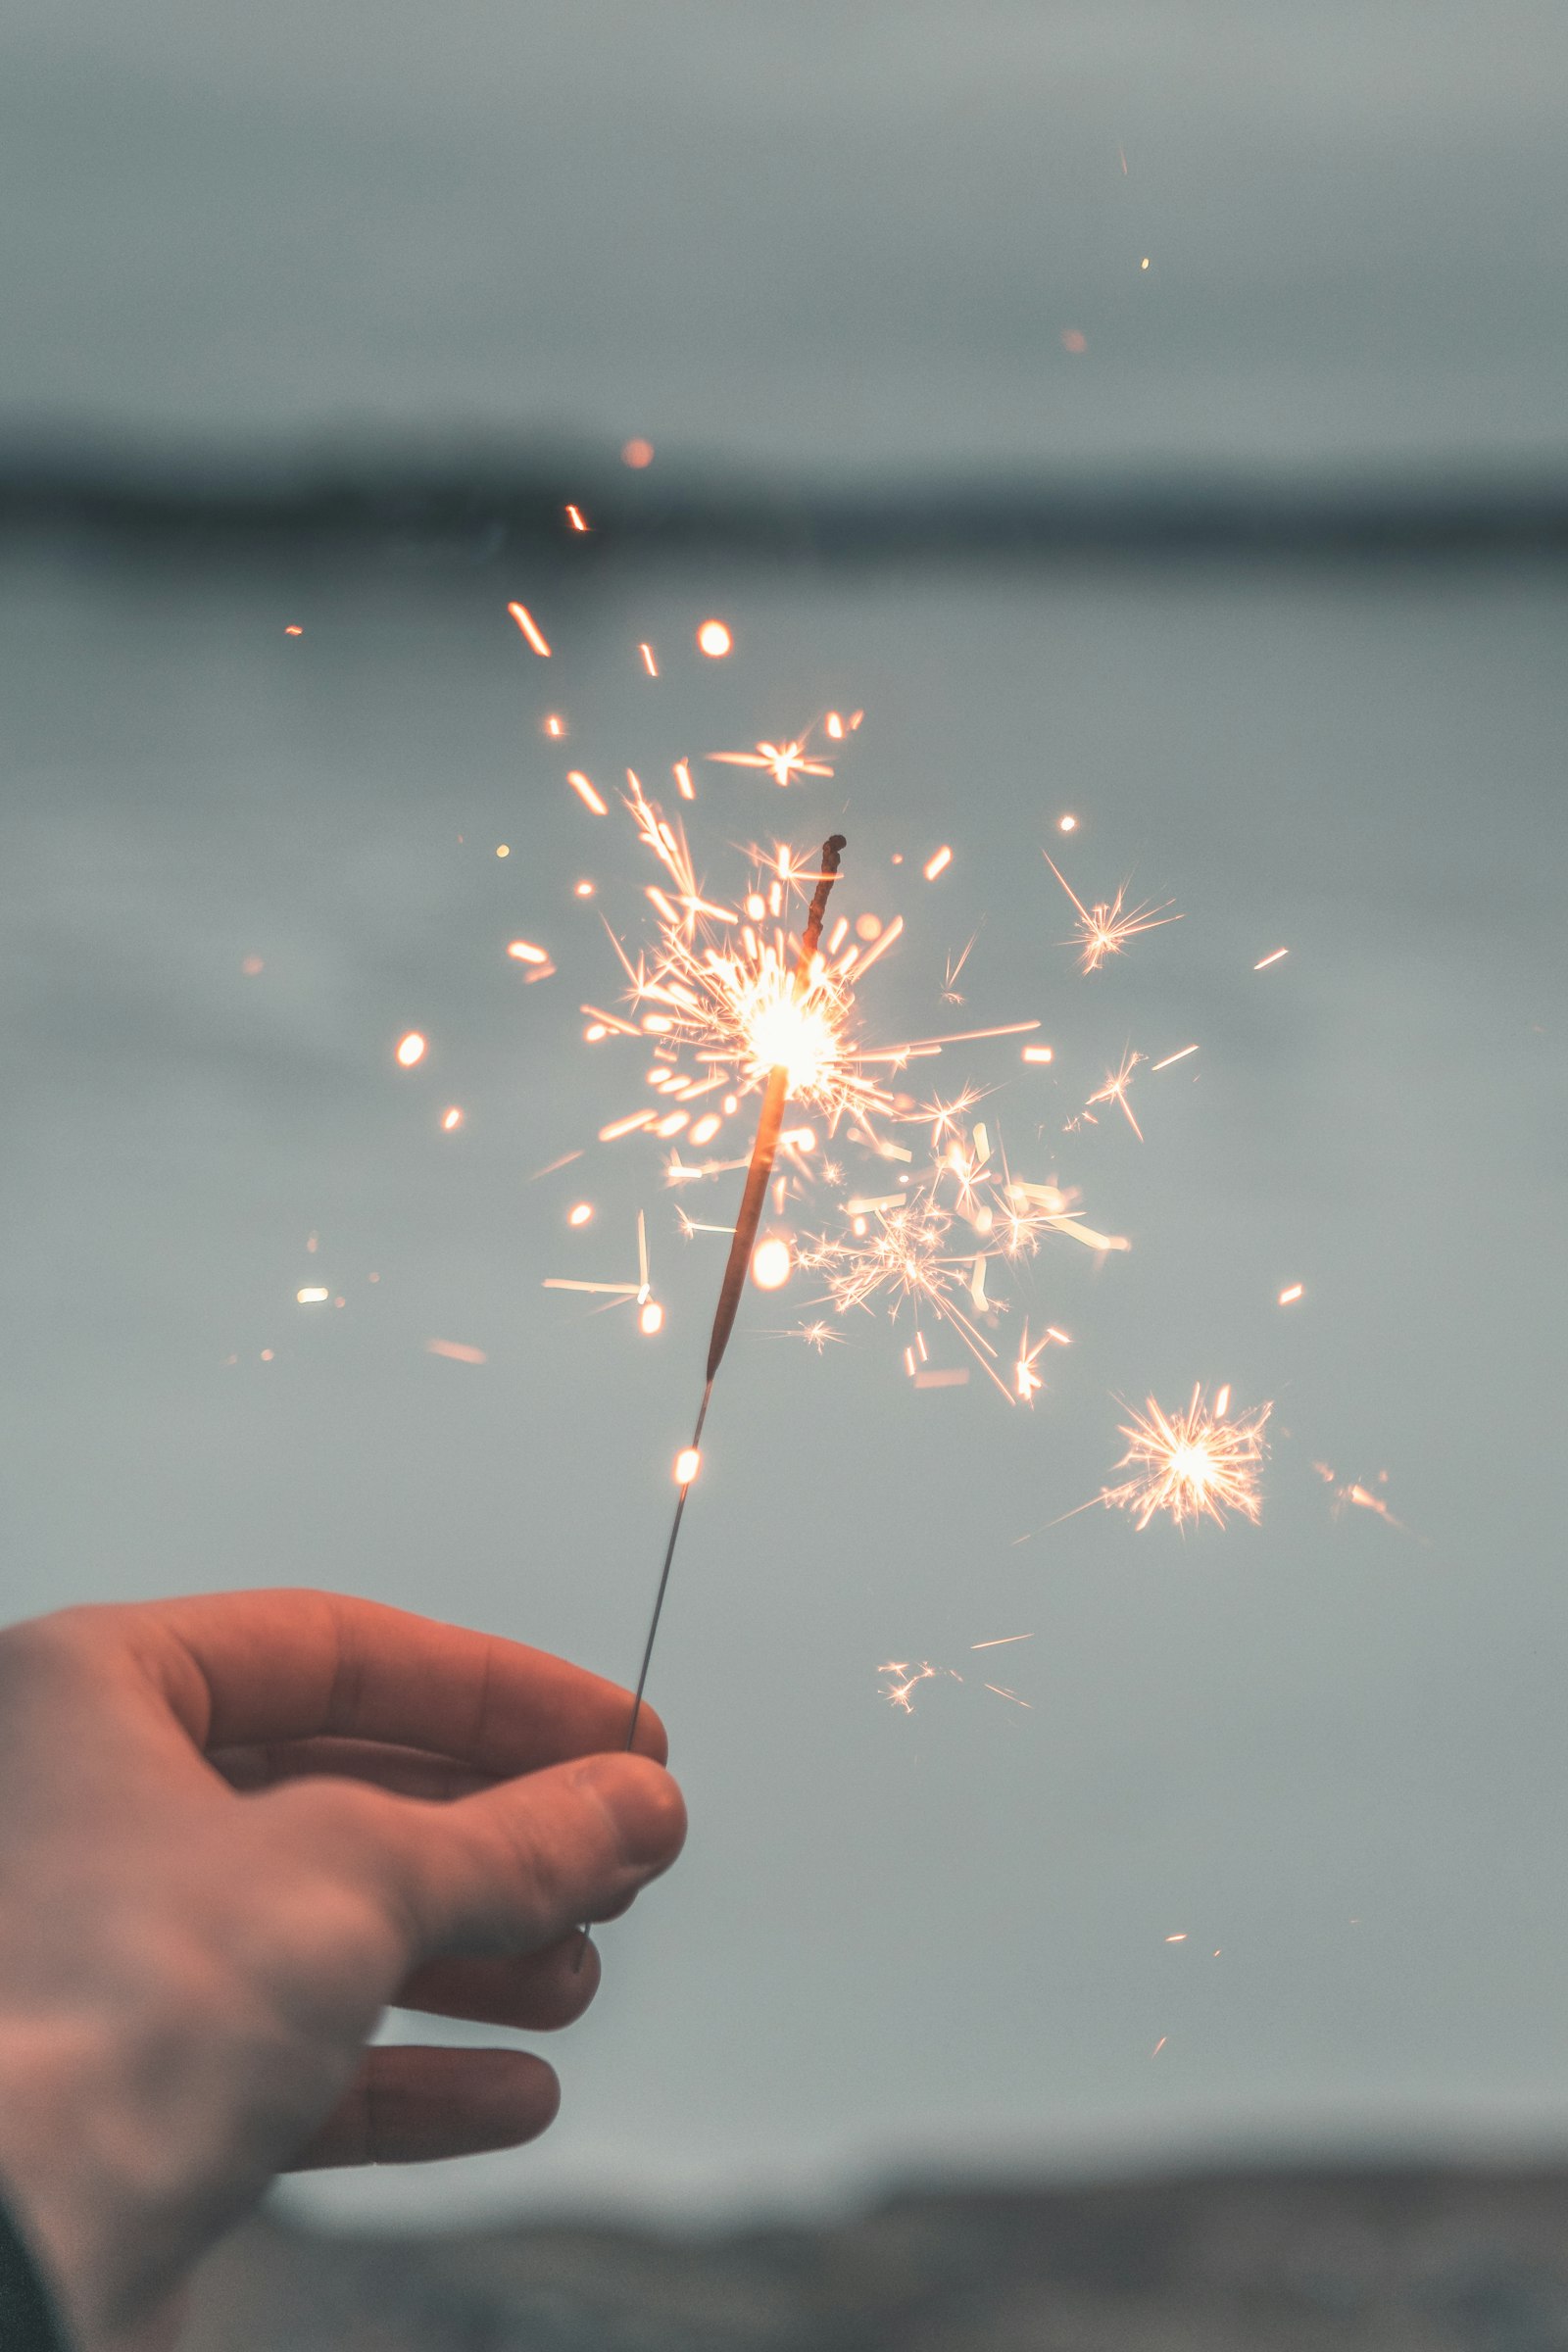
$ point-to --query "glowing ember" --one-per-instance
(410, 1049)
(1191, 1464)
(772, 1263)
(713, 640)
(450, 1119)
(1297, 1289)
(937, 864)
(524, 950)
(1265, 961)
(1040, 1054)
(586, 793)
(1104, 929)
(688, 1462)
(529, 627)
(312, 1297)
(579, 1212)
(651, 1319)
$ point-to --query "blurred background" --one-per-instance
(1149, 417)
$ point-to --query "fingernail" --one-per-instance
(642, 1831)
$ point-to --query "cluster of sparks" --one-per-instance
(1196, 1463)
(723, 1000)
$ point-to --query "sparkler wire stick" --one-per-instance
(759, 1171)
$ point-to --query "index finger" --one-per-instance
(295, 1664)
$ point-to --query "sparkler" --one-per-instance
(813, 1042)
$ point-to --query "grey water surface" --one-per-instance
(1327, 1753)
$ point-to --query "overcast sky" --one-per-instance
(794, 230)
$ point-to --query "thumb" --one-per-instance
(513, 1867)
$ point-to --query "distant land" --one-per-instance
(1321, 2259)
(468, 511)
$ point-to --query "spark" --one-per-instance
(681, 771)
(1159, 2045)
(713, 640)
(293, 629)
(1038, 1054)
(457, 1351)
(648, 664)
(410, 1049)
(1066, 824)
(1012, 1694)
(783, 761)
(524, 950)
(1001, 1640)
(1362, 1498)
(1104, 930)
(575, 517)
(637, 453)
(586, 792)
(1193, 1463)
(950, 993)
(819, 1336)
(503, 849)
(529, 627)
(937, 864)
(312, 1297)
(905, 1679)
(1263, 964)
(731, 993)
(1289, 1296)
(579, 1212)
(688, 1462)
(450, 1119)
(1170, 1057)
(1114, 1090)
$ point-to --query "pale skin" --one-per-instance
(234, 1831)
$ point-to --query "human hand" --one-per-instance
(234, 1831)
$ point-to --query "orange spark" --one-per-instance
(1297, 1289)
(1263, 963)
(637, 453)
(529, 627)
(524, 950)
(450, 1118)
(648, 664)
(575, 517)
(585, 792)
(458, 1352)
(1170, 1057)
(1104, 929)
(1115, 1090)
(410, 1049)
(784, 762)
(713, 640)
(938, 863)
(1191, 1464)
